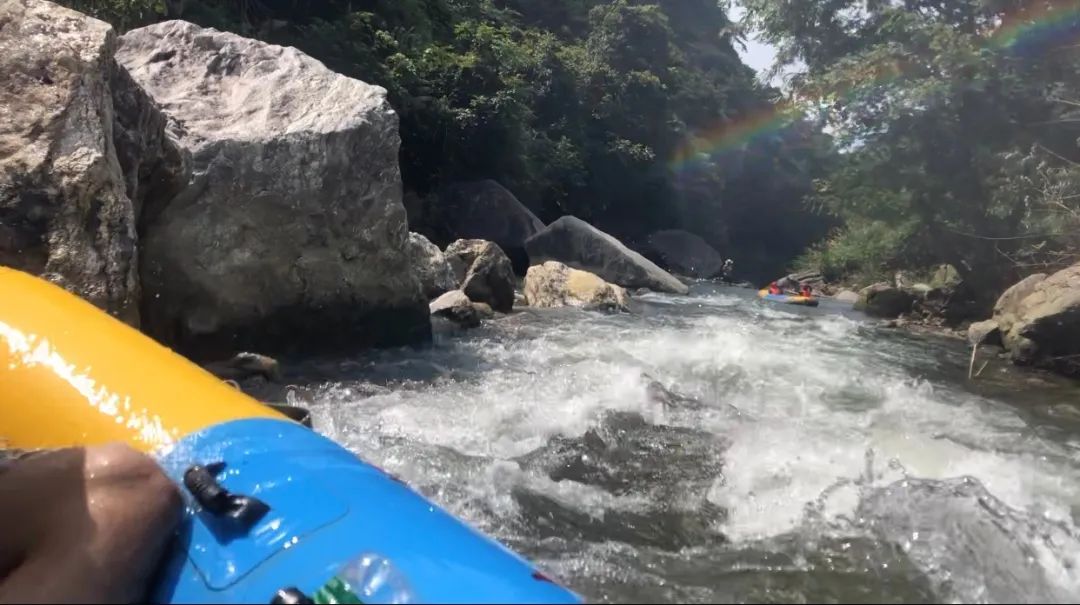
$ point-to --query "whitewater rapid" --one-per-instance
(718, 448)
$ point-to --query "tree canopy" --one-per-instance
(622, 112)
(958, 122)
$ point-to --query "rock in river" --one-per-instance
(485, 272)
(432, 269)
(686, 253)
(64, 210)
(1007, 310)
(290, 231)
(984, 332)
(245, 365)
(1043, 328)
(574, 242)
(457, 307)
(883, 300)
(846, 296)
(487, 210)
(554, 284)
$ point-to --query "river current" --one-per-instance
(716, 448)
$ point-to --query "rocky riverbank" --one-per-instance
(224, 194)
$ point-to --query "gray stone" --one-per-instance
(64, 211)
(290, 232)
(155, 167)
(488, 274)
(1045, 329)
(432, 269)
(1007, 309)
(686, 253)
(486, 210)
(883, 300)
(553, 284)
(578, 244)
(847, 296)
(984, 332)
(456, 306)
(483, 310)
(245, 365)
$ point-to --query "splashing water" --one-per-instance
(717, 448)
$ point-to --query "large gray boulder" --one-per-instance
(1007, 309)
(290, 230)
(484, 271)
(64, 210)
(1046, 323)
(486, 210)
(432, 269)
(685, 253)
(884, 300)
(574, 242)
(553, 284)
(846, 296)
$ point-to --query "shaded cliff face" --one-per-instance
(64, 211)
(290, 232)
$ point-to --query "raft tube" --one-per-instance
(71, 375)
(806, 301)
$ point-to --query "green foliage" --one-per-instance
(959, 146)
(862, 252)
(577, 106)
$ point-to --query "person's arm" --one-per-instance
(83, 525)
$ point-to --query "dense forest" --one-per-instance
(908, 134)
(959, 123)
(633, 115)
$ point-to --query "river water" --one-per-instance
(715, 448)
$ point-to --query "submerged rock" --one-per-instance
(574, 242)
(432, 269)
(673, 467)
(290, 232)
(486, 274)
(686, 253)
(65, 213)
(972, 546)
(554, 284)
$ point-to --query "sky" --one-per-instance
(757, 54)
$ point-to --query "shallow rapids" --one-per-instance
(718, 448)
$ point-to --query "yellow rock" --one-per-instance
(553, 284)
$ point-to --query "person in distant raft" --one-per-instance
(83, 525)
(787, 283)
(774, 289)
(805, 290)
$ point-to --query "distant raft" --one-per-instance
(275, 512)
(790, 299)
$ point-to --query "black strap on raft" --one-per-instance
(202, 482)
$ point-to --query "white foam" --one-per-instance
(819, 390)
